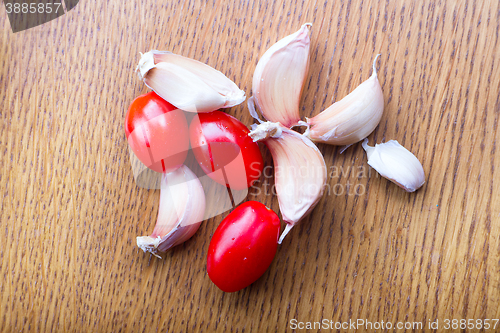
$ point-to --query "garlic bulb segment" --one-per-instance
(279, 78)
(396, 163)
(186, 83)
(181, 210)
(352, 118)
(299, 171)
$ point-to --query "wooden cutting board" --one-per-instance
(70, 208)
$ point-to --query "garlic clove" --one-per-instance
(186, 83)
(299, 171)
(214, 78)
(394, 162)
(280, 76)
(352, 118)
(181, 210)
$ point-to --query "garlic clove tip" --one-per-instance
(285, 232)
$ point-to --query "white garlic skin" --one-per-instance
(188, 84)
(279, 78)
(299, 171)
(180, 213)
(396, 163)
(352, 118)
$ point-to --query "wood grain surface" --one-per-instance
(70, 208)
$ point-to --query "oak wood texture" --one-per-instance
(70, 209)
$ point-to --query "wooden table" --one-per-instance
(70, 209)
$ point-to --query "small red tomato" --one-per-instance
(243, 246)
(224, 150)
(157, 132)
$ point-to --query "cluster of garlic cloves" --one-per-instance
(186, 83)
(277, 85)
(181, 211)
(299, 171)
(396, 163)
(280, 76)
(352, 118)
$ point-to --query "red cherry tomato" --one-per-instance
(157, 132)
(243, 246)
(224, 150)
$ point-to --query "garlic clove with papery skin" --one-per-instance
(181, 211)
(186, 83)
(394, 162)
(352, 118)
(299, 171)
(280, 76)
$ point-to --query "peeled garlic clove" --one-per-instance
(396, 163)
(279, 78)
(352, 118)
(188, 84)
(182, 206)
(299, 171)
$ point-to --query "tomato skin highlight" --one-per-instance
(224, 150)
(157, 132)
(243, 246)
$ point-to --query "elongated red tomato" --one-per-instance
(224, 150)
(243, 246)
(157, 132)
